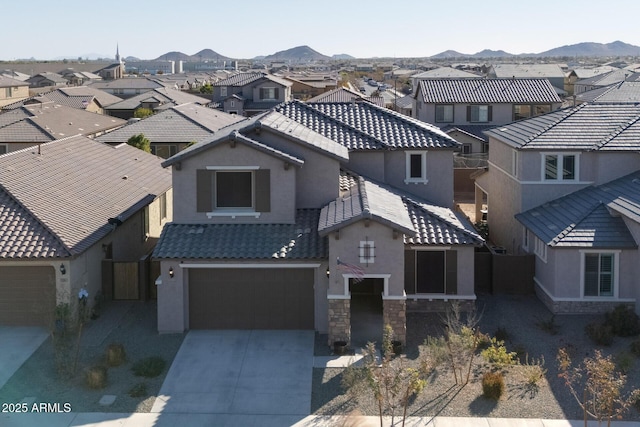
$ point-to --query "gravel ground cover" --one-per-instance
(132, 324)
(520, 317)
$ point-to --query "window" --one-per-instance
(234, 190)
(223, 90)
(7, 92)
(466, 148)
(540, 249)
(599, 274)
(367, 251)
(163, 207)
(269, 93)
(416, 167)
(444, 113)
(525, 239)
(560, 167)
(4, 149)
(479, 113)
(145, 223)
(431, 272)
(164, 150)
(521, 112)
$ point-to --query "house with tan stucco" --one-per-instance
(297, 217)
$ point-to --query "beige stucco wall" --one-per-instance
(283, 184)
(18, 93)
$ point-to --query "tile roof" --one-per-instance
(475, 131)
(9, 82)
(127, 83)
(585, 73)
(341, 94)
(487, 91)
(180, 124)
(297, 241)
(54, 77)
(589, 217)
(364, 126)
(240, 79)
(605, 79)
(162, 95)
(421, 222)
(508, 71)
(598, 127)
(62, 214)
(623, 92)
(365, 200)
(445, 73)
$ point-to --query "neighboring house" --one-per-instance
(155, 100)
(305, 88)
(623, 92)
(576, 74)
(46, 79)
(35, 124)
(470, 106)
(551, 72)
(534, 167)
(442, 73)
(127, 87)
(173, 129)
(81, 97)
(600, 81)
(310, 198)
(12, 90)
(79, 78)
(12, 74)
(73, 213)
(250, 93)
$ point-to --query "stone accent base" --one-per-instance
(394, 313)
(437, 306)
(579, 307)
(339, 320)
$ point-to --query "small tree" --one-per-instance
(461, 339)
(141, 113)
(206, 88)
(141, 142)
(602, 394)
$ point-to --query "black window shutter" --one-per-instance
(451, 261)
(261, 93)
(468, 113)
(410, 272)
(490, 112)
(204, 190)
(263, 190)
(277, 93)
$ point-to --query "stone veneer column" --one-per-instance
(339, 320)
(395, 314)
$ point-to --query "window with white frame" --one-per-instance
(223, 91)
(599, 274)
(163, 207)
(479, 113)
(444, 113)
(234, 190)
(416, 167)
(560, 167)
(367, 251)
(269, 93)
(540, 248)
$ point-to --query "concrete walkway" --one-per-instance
(17, 344)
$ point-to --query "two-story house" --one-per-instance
(250, 93)
(157, 99)
(554, 184)
(294, 218)
(464, 108)
(46, 79)
(12, 90)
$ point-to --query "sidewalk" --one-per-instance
(222, 420)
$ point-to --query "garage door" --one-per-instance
(27, 296)
(251, 299)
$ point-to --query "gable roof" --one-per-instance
(421, 222)
(365, 126)
(127, 83)
(183, 123)
(590, 217)
(486, 91)
(10, 82)
(605, 79)
(56, 214)
(594, 127)
(47, 75)
(623, 92)
(297, 241)
(163, 95)
(508, 71)
(445, 73)
(240, 79)
(340, 94)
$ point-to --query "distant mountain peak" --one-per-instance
(297, 54)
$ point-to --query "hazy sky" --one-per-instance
(44, 29)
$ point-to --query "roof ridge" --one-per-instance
(364, 198)
(617, 132)
(547, 128)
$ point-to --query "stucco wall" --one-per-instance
(501, 114)
(283, 184)
(368, 163)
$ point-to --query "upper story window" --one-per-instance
(599, 274)
(524, 111)
(163, 207)
(269, 93)
(560, 167)
(233, 191)
(479, 113)
(444, 113)
(416, 167)
(540, 248)
(367, 251)
(223, 90)
(164, 150)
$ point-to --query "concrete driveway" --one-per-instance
(17, 344)
(240, 373)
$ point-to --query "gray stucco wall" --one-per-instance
(368, 163)
(283, 184)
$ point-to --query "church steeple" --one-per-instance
(117, 53)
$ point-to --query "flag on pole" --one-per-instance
(356, 270)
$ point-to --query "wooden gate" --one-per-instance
(126, 281)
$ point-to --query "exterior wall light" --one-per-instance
(63, 269)
(171, 272)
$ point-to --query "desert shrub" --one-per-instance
(149, 367)
(624, 361)
(138, 390)
(549, 326)
(492, 385)
(635, 348)
(533, 371)
(96, 377)
(624, 322)
(600, 333)
(497, 354)
(115, 354)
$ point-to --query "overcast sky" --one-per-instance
(44, 29)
